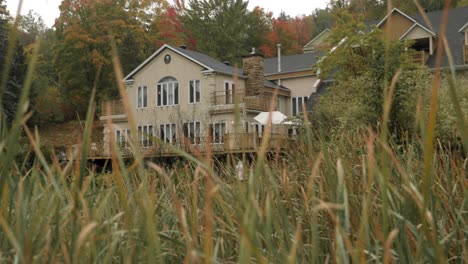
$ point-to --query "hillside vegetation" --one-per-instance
(361, 195)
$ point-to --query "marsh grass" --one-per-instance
(358, 198)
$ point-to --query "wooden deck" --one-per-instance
(230, 144)
(420, 57)
(231, 98)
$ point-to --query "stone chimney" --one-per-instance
(253, 69)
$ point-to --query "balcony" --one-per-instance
(229, 143)
(225, 102)
(420, 57)
(113, 110)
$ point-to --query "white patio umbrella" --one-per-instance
(276, 118)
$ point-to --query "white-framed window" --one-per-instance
(145, 134)
(122, 137)
(168, 133)
(297, 103)
(167, 92)
(259, 130)
(218, 130)
(229, 92)
(194, 91)
(192, 132)
(142, 97)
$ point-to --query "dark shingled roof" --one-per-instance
(214, 64)
(314, 97)
(457, 18)
(292, 63)
(220, 67)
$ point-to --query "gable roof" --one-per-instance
(212, 63)
(457, 20)
(208, 63)
(457, 17)
(406, 16)
(318, 36)
(413, 27)
(321, 90)
(292, 63)
(463, 28)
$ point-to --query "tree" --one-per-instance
(12, 77)
(85, 31)
(220, 27)
(169, 29)
(376, 9)
(322, 19)
(260, 26)
(462, 3)
(282, 33)
(303, 27)
(44, 89)
(363, 66)
(32, 24)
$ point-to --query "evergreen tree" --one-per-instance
(221, 28)
(12, 77)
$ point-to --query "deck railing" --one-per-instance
(231, 143)
(113, 107)
(255, 102)
(420, 57)
(465, 54)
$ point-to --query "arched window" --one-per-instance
(167, 92)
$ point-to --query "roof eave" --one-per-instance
(408, 17)
(317, 37)
(144, 63)
(286, 72)
(129, 81)
(150, 58)
(208, 72)
(413, 26)
(462, 29)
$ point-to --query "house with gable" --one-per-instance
(190, 100)
(298, 72)
(424, 32)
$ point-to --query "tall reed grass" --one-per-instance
(360, 198)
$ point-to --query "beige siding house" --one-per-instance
(192, 101)
(424, 32)
(298, 72)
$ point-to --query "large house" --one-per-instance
(190, 100)
(424, 32)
